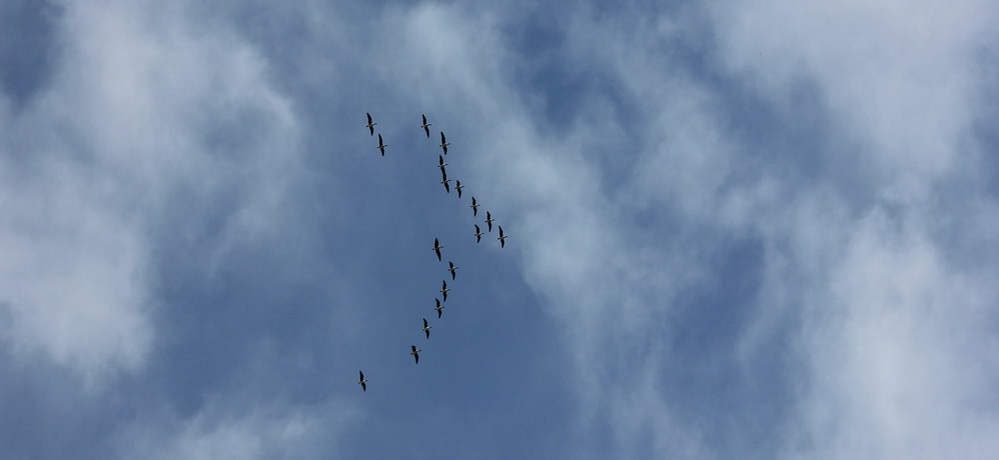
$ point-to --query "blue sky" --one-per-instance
(738, 229)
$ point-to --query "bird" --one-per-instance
(444, 143)
(381, 145)
(458, 187)
(425, 125)
(371, 125)
(426, 327)
(444, 289)
(440, 163)
(489, 220)
(439, 308)
(502, 238)
(416, 354)
(363, 382)
(475, 207)
(451, 268)
(445, 180)
(478, 234)
(437, 248)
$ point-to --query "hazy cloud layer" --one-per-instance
(739, 230)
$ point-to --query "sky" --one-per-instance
(737, 229)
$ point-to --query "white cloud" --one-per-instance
(151, 117)
(230, 430)
(900, 99)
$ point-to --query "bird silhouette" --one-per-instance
(444, 143)
(425, 125)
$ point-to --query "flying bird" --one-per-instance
(426, 327)
(502, 238)
(478, 234)
(451, 268)
(445, 180)
(475, 207)
(381, 145)
(439, 308)
(489, 220)
(371, 125)
(440, 163)
(458, 186)
(363, 382)
(437, 248)
(444, 289)
(425, 125)
(416, 354)
(444, 143)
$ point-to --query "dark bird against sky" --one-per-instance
(444, 289)
(371, 125)
(426, 126)
(444, 143)
(381, 145)
(439, 308)
(437, 249)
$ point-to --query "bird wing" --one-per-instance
(362, 375)
(501, 231)
(443, 139)
(380, 140)
(414, 348)
(424, 119)
(424, 322)
(369, 117)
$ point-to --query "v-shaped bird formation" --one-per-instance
(437, 247)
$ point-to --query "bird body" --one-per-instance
(381, 145)
(439, 308)
(444, 289)
(425, 125)
(444, 143)
(437, 249)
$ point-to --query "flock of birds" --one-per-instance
(452, 268)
